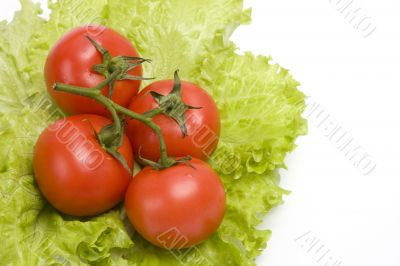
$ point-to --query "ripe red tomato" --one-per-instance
(203, 125)
(177, 207)
(71, 60)
(74, 173)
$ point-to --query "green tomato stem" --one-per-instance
(95, 93)
(105, 82)
(153, 112)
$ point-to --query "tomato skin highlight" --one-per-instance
(73, 171)
(70, 61)
(203, 125)
(177, 207)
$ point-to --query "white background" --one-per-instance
(356, 81)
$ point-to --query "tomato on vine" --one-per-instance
(84, 59)
(177, 207)
(173, 127)
(187, 115)
(74, 170)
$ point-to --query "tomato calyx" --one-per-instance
(110, 138)
(160, 165)
(120, 64)
(172, 104)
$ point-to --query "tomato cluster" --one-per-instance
(83, 163)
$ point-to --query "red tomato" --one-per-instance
(177, 207)
(203, 125)
(71, 60)
(74, 173)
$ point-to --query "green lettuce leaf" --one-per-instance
(33, 233)
(260, 110)
(174, 33)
